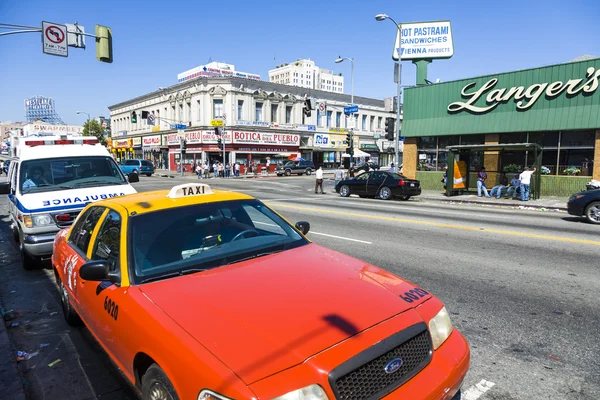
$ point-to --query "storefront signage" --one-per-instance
(193, 137)
(525, 98)
(121, 143)
(283, 126)
(258, 149)
(278, 139)
(342, 130)
(322, 140)
(251, 123)
(172, 139)
(306, 128)
(428, 40)
(151, 141)
(137, 142)
(120, 133)
(70, 129)
(210, 137)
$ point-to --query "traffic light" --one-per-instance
(390, 128)
(183, 146)
(133, 117)
(350, 143)
(104, 50)
(309, 105)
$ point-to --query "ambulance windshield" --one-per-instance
(63, 173)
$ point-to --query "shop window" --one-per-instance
(427, 160)
(577, 139)
(573, 160)
(445, 141)
(288, 114)
(259, 112)
(536, 137)
(427, 142)
(550, 139)
(217, 108)
(549, 159)
(472, 139)
(509, 138)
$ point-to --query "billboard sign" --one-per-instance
(268, 138)
(424, 40)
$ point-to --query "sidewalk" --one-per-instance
(545, 203)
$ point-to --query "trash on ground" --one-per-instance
(42, 345)
(53, 363)
(23, 355)
(53, 313)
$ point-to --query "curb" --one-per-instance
(533, 206)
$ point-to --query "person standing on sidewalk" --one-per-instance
(525, 179)
(338, 176)
(237, 169)
(227, 170)
(481, 177)
(319, 181)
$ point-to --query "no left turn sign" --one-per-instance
(54, 39)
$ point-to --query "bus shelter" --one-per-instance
(459, 166)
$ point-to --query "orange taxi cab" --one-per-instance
(202, 294)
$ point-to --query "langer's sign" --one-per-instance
(525, 97)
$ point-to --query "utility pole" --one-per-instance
(397, 139)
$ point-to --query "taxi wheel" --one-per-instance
(69, 313)
(156, 385)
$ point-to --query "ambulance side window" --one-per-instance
(108, 242)
(14, 168)
(81, 232)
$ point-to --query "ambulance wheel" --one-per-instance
(28, 261)
(156, 385)
(69, 313)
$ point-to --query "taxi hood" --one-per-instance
(36, 202)
(267, 314)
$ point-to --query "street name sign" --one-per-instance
(350, 110)
(54, 39)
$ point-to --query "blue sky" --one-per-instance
(154, 41)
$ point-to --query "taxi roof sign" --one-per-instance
(189, 189)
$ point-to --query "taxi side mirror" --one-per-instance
(97, 270)
(133, 177)
(4, 187)
(303, 226)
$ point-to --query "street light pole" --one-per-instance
(339, 60)
(88, 120)
(381, 17)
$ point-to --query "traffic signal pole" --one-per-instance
(397, 139)
(181, 154)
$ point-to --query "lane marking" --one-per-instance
(340, 237)
(476, 391)
(440, 224)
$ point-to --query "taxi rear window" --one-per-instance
(166, 242)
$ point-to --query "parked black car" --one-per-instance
(295, 167)
(585, 204)
(380, 183)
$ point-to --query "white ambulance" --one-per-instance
(51, 178)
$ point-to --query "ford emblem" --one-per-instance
(393, 365)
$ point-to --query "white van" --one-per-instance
(51, 178)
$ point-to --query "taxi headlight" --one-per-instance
(311, 392)
(210, 395)
(440, 328)
(38, 220)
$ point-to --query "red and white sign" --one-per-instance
(193, 137)
(322, 107)
(151, 141)
(172, 139)
(210, 137)
(54, 39)
(275, 139)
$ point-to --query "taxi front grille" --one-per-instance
(364, 376)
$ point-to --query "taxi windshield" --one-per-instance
(176, 241)
(63, 173)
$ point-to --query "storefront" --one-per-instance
(151, 146)
(122, 149)
(557, 107)
(263, 149)
(136, 146)
(328, 149)
(372, 150)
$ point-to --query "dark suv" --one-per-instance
(295, 167)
